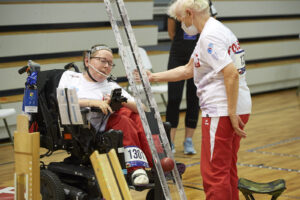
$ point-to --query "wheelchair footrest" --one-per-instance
(274, 188)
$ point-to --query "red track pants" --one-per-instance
(219, 150)
(133, 132)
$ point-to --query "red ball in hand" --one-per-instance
(167, 164)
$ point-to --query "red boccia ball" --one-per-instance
(167, 164)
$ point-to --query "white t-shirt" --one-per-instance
(216, 48)
(91, 90)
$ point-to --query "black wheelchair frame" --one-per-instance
(73, 178)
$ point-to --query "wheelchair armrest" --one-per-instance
(85, 110)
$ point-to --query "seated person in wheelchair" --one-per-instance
(93, 90)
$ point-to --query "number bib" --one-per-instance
(135, 157)
(239, 62)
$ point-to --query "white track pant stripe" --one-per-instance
(212, 132)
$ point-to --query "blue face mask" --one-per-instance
(191, 30)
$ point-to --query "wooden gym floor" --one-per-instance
(270, 151)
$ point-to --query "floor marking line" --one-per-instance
(268, 167)
(277, 154)
(274, 144)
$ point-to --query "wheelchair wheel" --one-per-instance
(51, 187)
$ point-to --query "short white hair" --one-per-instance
(178, 7)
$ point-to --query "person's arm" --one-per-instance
(231, 80)
(171, 28)
(179, 73)
(103, 105)
(130, 105)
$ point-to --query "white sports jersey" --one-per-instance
(89, 90)
(219, 47)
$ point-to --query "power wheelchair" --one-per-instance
(73, 178)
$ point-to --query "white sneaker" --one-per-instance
(139, 177)
(189, 147)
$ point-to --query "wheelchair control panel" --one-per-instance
(117, 99)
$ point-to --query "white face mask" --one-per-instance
(191, 30)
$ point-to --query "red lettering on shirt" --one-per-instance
(234, 47)
(197, 63)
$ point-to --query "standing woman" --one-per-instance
(218, 67)
(181, 49)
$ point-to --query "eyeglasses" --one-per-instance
(104, 61)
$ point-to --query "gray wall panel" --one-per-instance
(271, 49)
(45, 13)
(55, 42)
(257, 8)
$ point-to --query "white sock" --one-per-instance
(139, 177)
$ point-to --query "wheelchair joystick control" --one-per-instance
(117, 99)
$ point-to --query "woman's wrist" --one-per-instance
(153, 78)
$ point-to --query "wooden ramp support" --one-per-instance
(110, 176)
(27, 161)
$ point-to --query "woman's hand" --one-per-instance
(149, 74)
(107, 98)
(102, 105)
(105, 107)
(137, 78)
(237, 124)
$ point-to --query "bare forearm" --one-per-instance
(171, 28)
(173, 75)
(232, 94)
(87, 103)
(231, 80)
(103, 105)
(131, 105)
